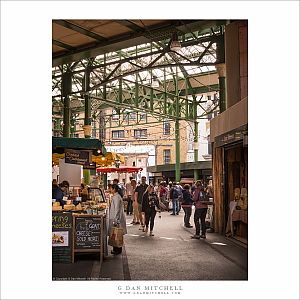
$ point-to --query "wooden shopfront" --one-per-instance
(230, 173)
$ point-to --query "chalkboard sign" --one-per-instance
(62, 237)
(88, 232)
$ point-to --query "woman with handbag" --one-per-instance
(116, 219)
(200, 199)
(150, 205)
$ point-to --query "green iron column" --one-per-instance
(196, 144)
(66, 90)
(73, 126)
(87, 118)
(177, 146)
(177, 133)
(87, 104)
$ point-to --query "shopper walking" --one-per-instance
(116, 214)
(201, 205)
(163, 193)
(128, 194)
(149, 205)
(180, 197)
(174, 196)
(138, 195)
(187, 204)
(134, 204)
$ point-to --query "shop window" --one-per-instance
(190, 145)
(102, 135)
(167, 156)
(130, 116)
(166, 128)
(140, 133)
(117, 134)
(115, 115)
(93, 129)
(142, 116)
(209, 148)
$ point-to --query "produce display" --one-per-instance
(89, 207)
(56, 206)
(69, 207)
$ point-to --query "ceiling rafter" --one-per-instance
(80, 29)
(132, 26)
(63, 45)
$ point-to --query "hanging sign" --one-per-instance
(77, 157)
(90, 166)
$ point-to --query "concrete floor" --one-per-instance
(172, 255)
(169, 255)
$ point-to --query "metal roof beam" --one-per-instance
(129, 40)
(62, 45)
(79, 29)
(132, 26)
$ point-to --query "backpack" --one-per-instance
(203, 196)
(177, 193)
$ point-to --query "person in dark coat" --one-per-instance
(57, 193)
(201, 206)
(187, 204)
(149, 205)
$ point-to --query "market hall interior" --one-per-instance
(162, 99)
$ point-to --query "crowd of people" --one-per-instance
(145, 200)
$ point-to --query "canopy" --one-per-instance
(121, 169)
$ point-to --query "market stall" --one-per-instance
(78, 223)
(78, 227)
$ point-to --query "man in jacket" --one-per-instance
(187, 204)
(138, 197)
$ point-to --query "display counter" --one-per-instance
(240, 215)
(240, 223)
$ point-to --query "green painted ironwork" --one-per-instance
(177, 132)
(122, 80)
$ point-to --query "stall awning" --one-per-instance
(59, 143)
(121, 169)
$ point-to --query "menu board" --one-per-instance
(62, 237)
(87, 232)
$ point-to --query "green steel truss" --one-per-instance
(124, 80)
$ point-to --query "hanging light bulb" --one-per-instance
(155, 82)
(175, 44)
